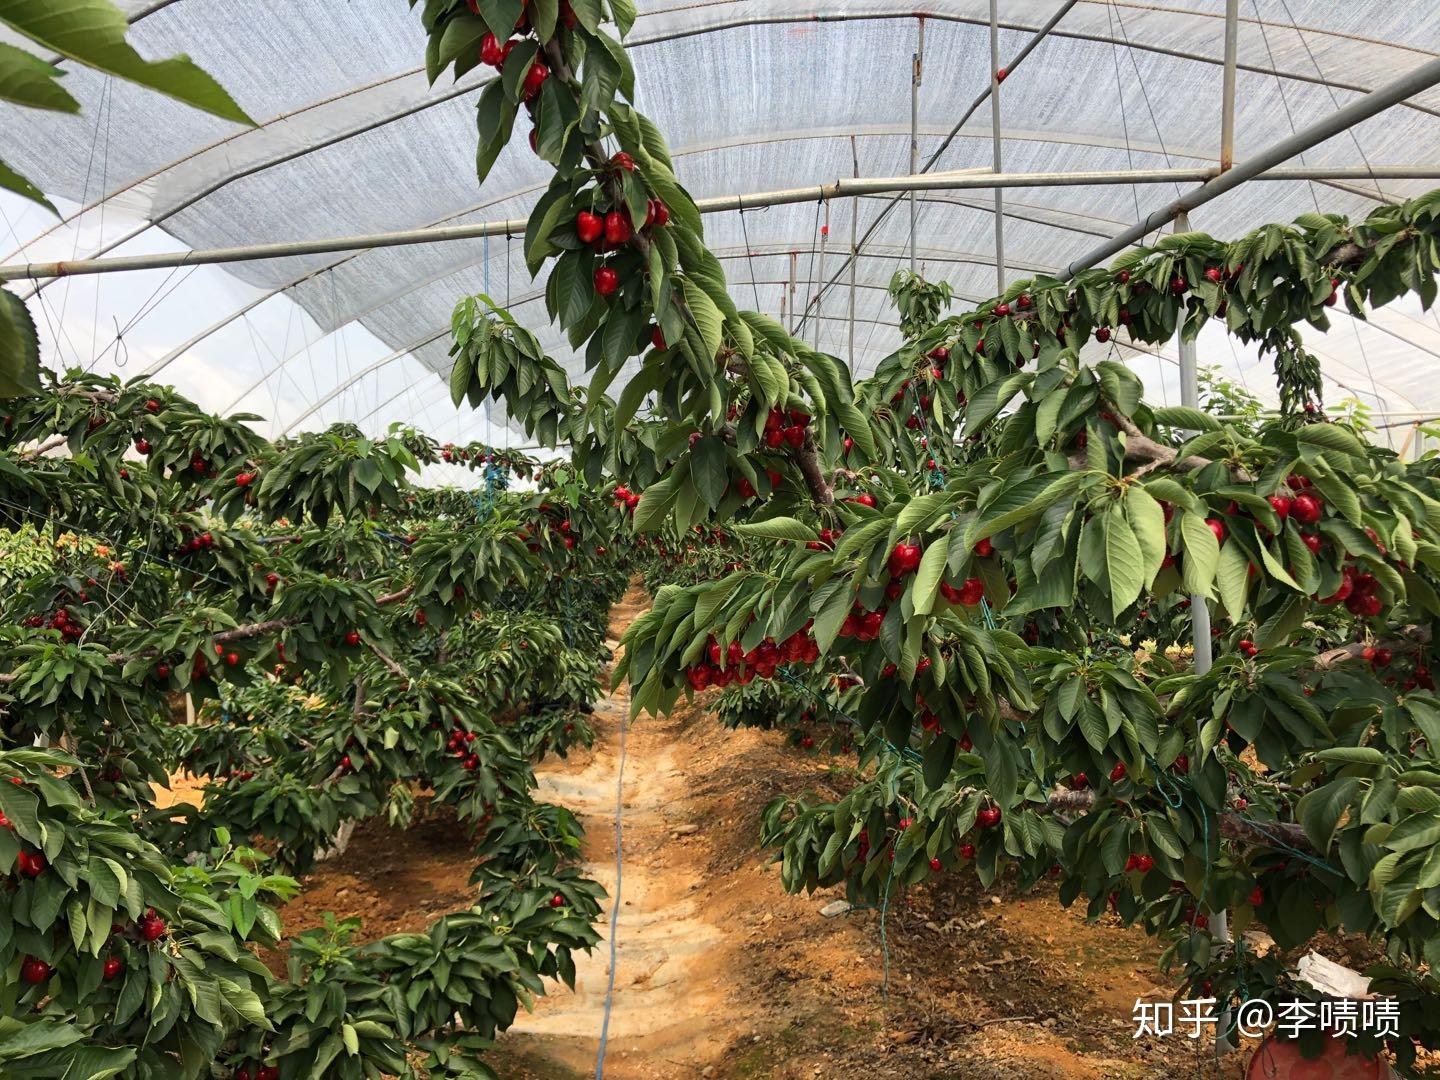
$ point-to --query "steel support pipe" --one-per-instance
(969, 179)
(1414, 82)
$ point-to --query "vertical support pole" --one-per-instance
(787, 302)
(1190, 398)
(820, 277)
(854, 246)
(995, 144)
(1227, 93)
(1199, 612)
(916, 71)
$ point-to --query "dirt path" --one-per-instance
(721, 974)
(670, 981)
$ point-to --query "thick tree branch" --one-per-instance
(1410, 636)
(808, 458)
(390, 665)
(45, 447)
(1232, 826)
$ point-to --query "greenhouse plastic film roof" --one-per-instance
(751, 97)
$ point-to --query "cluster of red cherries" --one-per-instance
(735, 664)
(614, 229)
(458, 743)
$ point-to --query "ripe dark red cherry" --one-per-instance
(589, 226)
(34, 972)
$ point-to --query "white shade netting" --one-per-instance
(752, 97)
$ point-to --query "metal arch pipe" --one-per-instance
(270, 163)
(1412, 82)
(724, 254)
(165, 361)
(1227, 86)
(977, 179)
(201, 335)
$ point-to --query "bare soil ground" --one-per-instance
(721, 974)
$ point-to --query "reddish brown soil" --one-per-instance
(721, 974)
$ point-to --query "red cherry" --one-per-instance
(1178, 285)
(491, 52)
(557, 901)
(657, 338)
(1213, 274)
(30, 863)
(113, 966)
(589, 226)
(1117, 773)
(984, 548)
(34, 972)
(988, 817)
(142, 446)
(1306, 509)
(162, 671)
(1256, 897)
(352, 638)
(935, 865)
(967, 851)
(152, 927)
(1312, 541)
(1102, 335)
(865, 499)
(606, 280)
(534, 79)
(904, 559)
(1217, 527)
(267, 1072)
(972, 592)
(231, 659)
(618, 229)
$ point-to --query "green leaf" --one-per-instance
(1147, 520)
(655, 502)
(1124, 561)
(92, 32)
(11, 180)
(1319, 811)
(928, 577)
(708, 319)
(19, 348)
(1201, 555)
(708, 470)
(1331, 437)
(28, 80)
(988, 402)
(778, 528)
(1233, 578)
(1181, 416)
(553, 208)
(1022, 500)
